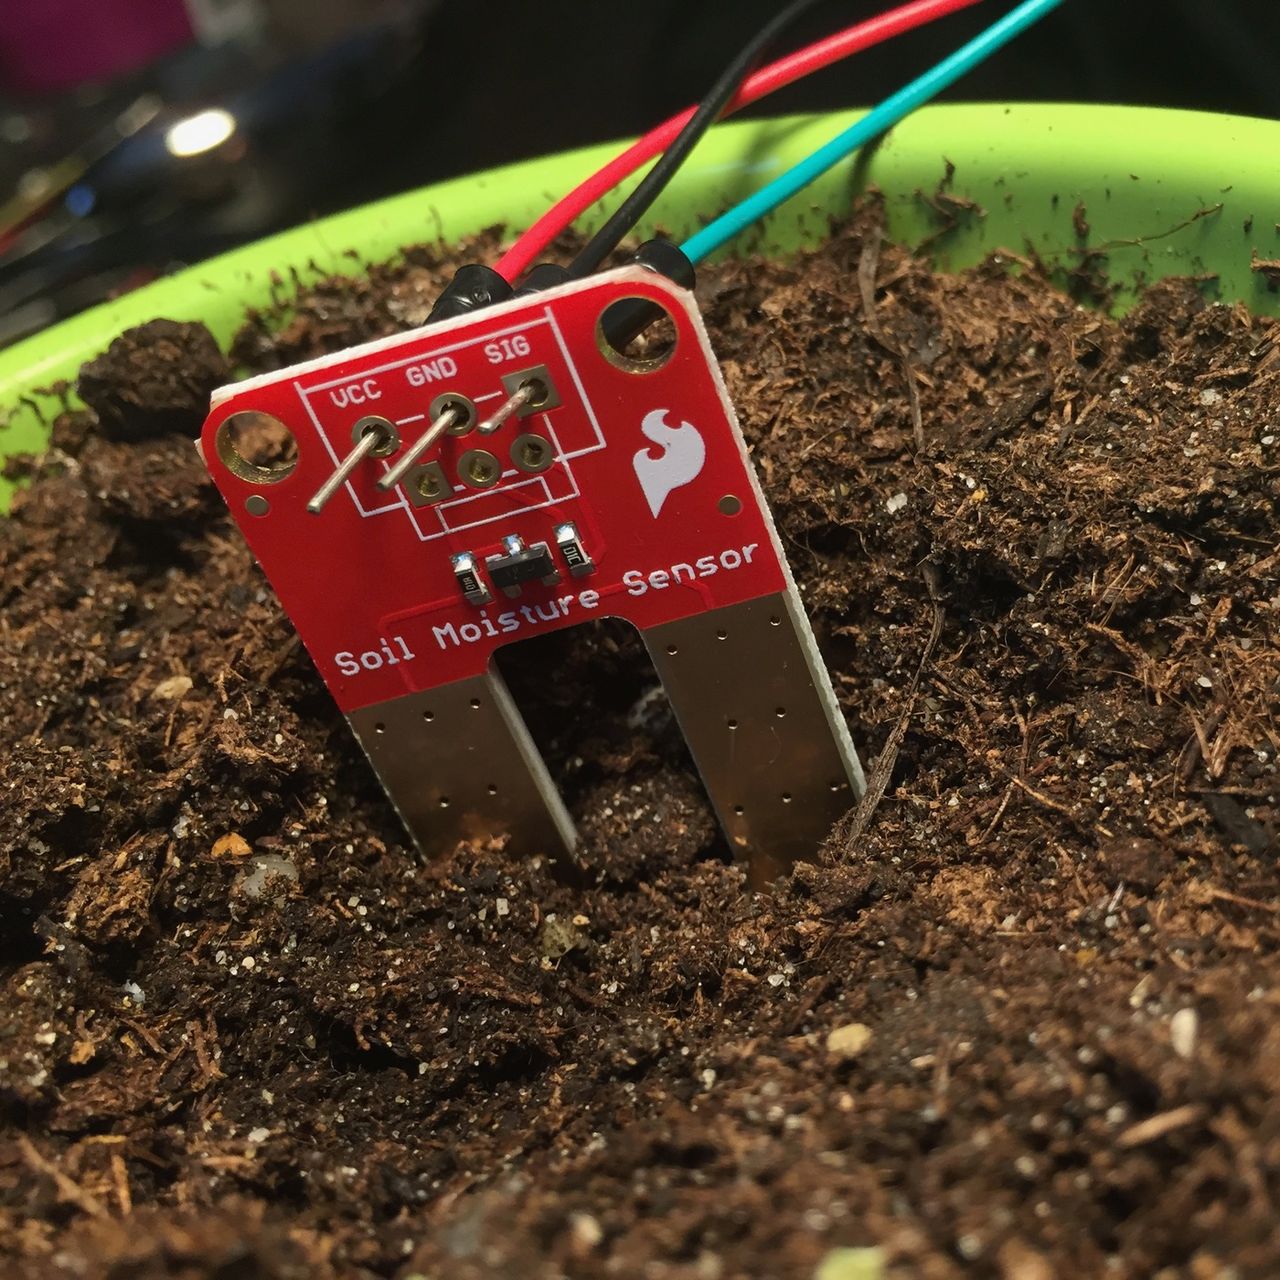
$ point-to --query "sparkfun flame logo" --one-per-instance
(683, 452)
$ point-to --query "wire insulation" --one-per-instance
(708, 111)
(777, 75)
(875, 122)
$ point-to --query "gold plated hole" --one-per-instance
(431, 484)
(532, 453)
(256, 447)
(539, 394)
(644, 351)
(465, 409)
(730, 504)
(479, 469)
(385, 430)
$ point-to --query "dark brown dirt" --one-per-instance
(1021, 1021)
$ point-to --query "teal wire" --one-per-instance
(874, 123)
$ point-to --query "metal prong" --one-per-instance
(516, 401)
(372, 438)
(424, 442)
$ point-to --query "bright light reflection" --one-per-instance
(200, 132)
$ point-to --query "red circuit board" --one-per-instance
(624, 489)
(369, 581)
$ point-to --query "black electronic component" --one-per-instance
(571, 548)
(469, 580)
(520, 564)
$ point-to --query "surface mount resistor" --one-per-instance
(571, 548)
(470, 582)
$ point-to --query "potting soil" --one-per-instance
(1018, 1016)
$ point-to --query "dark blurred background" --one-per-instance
(140, 135)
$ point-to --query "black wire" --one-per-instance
(633, 208)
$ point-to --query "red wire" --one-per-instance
(517, 259)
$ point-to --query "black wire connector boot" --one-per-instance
(668, 259)
(472, 288)
(663, 256)
(475, 286)
(546, 275)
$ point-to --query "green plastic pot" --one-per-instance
(1142, 193)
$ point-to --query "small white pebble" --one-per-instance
(896, 503)
(248, 962)
(502, 907)
(586, 1231)
(259, 1135)
(1183, 1027)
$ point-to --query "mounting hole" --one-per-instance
(475, 704)
(733, 724)
(428, 716)
(636, 334)
(738, 811)
(672, 650)
(465, 410)
(786, 797)
(379, 728)
(775, 621)
(479, 469)
(492, 789)
(780, 712)
(730, 504)
(722, 634)
(444, 802)
(532, 453)
(255, 447)
(388, 438)
(837, 786)
(256, 505)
